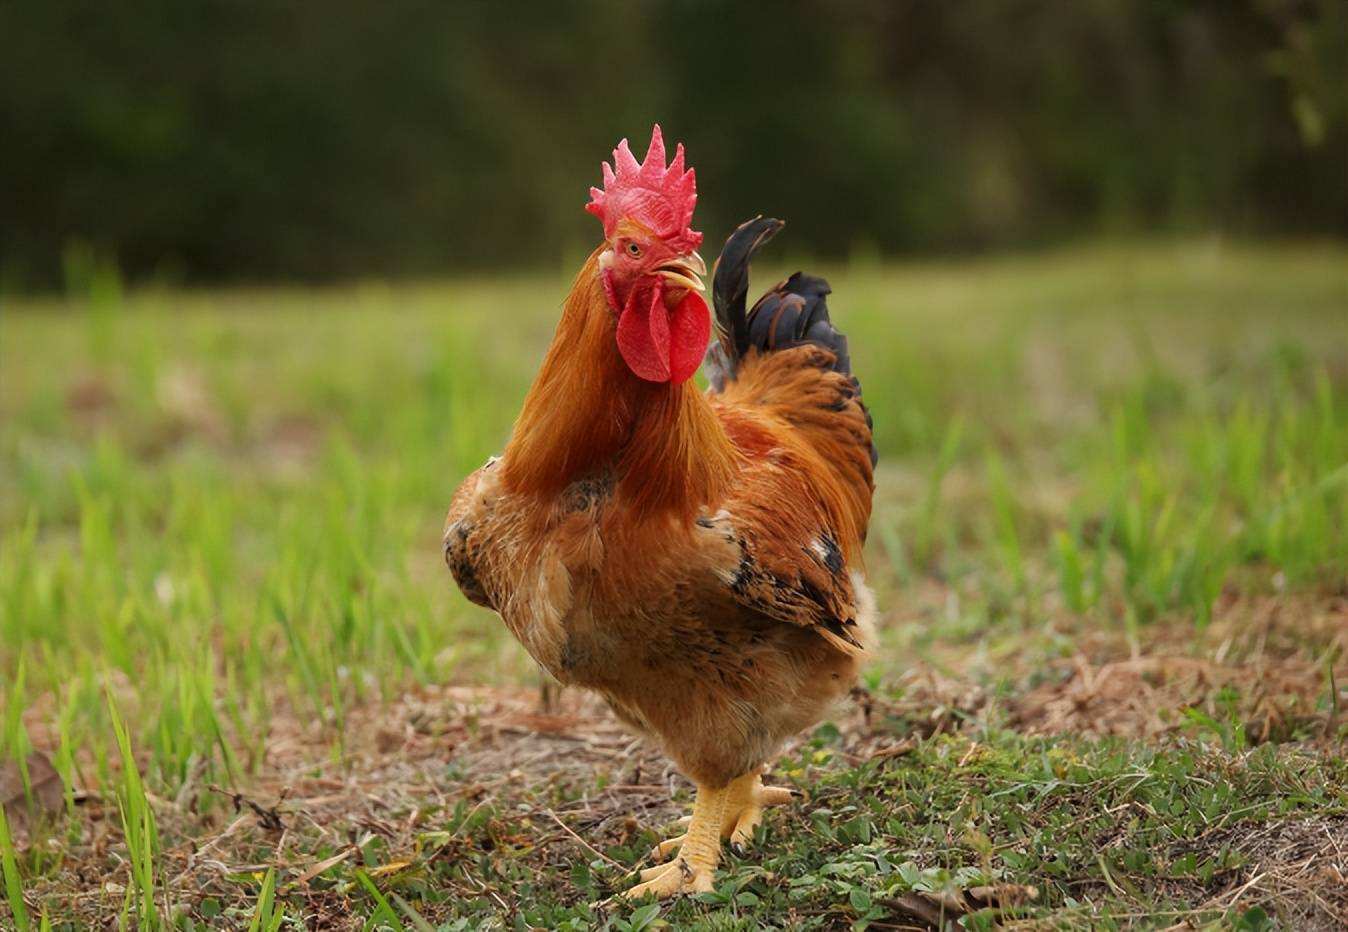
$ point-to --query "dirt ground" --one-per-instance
(559, 779)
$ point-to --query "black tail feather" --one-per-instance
(730, 283)
(793, 313)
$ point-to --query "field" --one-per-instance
(238, 688)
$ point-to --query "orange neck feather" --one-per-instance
(587, 412)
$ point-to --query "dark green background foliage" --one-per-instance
(320, 138)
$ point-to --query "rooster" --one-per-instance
(692, 558)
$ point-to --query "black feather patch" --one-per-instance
(730, 284)
(829, 554)
(794, 313)
(460, 558)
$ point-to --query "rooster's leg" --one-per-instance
(748, 797)
(699, 852)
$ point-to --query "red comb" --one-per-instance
(657, 197)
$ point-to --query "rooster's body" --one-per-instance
(691, 558)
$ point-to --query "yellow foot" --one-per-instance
(744, 812)
(699, 851)
(678, 876)
(746, 800)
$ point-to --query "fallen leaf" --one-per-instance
(906, 746)
(392, 867)
(315, 869)
(938, 908)
(47, 791)
(1004, 894)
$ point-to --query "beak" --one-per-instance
(685, 271)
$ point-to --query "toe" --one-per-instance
(666, 880)
(667, 847)
(659, 887)
(650, 873)
(775, 795)
(743, 835)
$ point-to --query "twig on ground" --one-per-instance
(583, 843)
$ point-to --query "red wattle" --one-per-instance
(689, 331)
(660, 345)
(645, 353)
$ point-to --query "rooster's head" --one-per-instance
(650, 267)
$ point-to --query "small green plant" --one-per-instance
(383, 909)
(269, 914)
(139, 831)
(9, 866)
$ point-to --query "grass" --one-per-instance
(219, 566)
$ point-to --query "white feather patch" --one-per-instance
(867, 611)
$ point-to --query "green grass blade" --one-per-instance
(13, 887)
(385, 910)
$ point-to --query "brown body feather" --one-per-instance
(692, 559)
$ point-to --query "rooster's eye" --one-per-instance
(633, 250)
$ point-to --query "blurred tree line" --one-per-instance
(211, 139)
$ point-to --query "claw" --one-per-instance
(742, 835)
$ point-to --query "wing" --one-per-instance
(774, 553)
